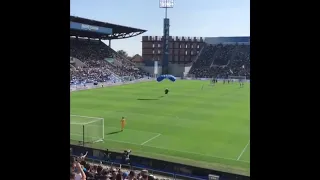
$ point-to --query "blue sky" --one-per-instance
(201, 18)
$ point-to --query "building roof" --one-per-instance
(118, 31)
(136, 58)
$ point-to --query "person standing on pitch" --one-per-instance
(123, 123)
(166, 91)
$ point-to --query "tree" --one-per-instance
(123, 53)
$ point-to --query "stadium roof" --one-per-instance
(118, 31)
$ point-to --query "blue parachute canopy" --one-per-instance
(166, 76)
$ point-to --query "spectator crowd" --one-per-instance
(221, 61)
(81, 169)
(90, 75)
(94, 55)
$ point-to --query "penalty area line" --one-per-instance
(150, 139)
(187, 152)
(243, 150)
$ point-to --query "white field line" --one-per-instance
(169, 116)
(148, 115)
(187, 152)
(143, 114)
(150, 139)
(172, 116)
(244, 149)
(118, 128)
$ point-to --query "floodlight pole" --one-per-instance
(166, 25)
(166, 12)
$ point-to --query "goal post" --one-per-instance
(86, 129)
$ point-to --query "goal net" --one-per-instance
(86, 129)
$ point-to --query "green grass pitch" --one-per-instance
(207, 127)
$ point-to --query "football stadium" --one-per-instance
(122, 117)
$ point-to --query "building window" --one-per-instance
(198, 46)
(159, 45)
(197, 52)
(191, 52)
(153, 45)
(186, 52)
(153, 52)
(158, 51)
(186, 45)
(179, 45)
(191, 46)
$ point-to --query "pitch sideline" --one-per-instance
(151, 139)
(187, 152)
(243, 150)
(158, 134)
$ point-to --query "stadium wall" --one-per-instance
(187, 68)
(178, 69)
(80, 87)
(148, 69)
(181, 49)
(174, 68)
(178, 171)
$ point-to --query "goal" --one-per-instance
(86, 129)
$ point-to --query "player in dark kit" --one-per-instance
(241, 83)
(166, 91)
(213, 81)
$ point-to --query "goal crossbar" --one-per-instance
(87, 117)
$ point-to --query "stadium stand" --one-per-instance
(221, 61)
(91, 60)
(208, 57)
(82, 168)
(96, 68)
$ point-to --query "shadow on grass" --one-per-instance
(114, 132)
(150, 99)
(147, 99)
